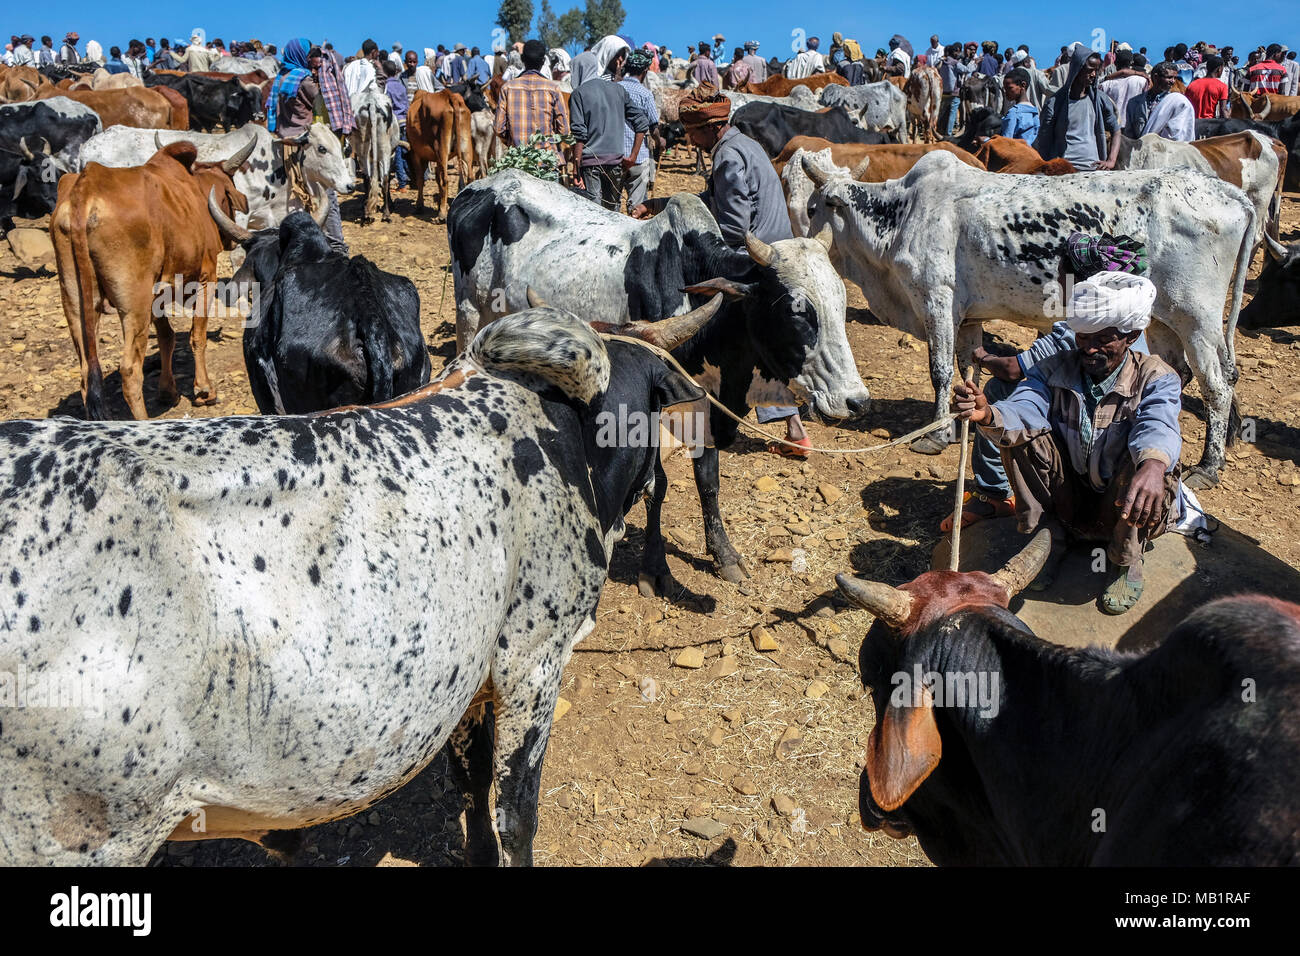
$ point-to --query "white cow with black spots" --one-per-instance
(948, 246)
(285, 618)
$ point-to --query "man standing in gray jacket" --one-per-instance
(598, 108)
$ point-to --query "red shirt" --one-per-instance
(1206, 94)
(1265, 77)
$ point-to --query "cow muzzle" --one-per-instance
(875, 819)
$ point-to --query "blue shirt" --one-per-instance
(479, 71)
(396, 90)
(643, 98)
(1021, 122)
(117, 66)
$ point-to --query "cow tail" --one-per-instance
(376, 337)
(548, 344)
(88, 296)
(1244, 256)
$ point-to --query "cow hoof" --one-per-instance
(205, 398)
(929, 445)
(1200, 477)
(169, 397)
(653, 585)
(733, 573)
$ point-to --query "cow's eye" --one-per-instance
(320, 149)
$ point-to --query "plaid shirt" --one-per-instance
(643, 98)
(338, 108)
(529, 104)
(1137, 416)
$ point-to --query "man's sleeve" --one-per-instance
(732, 203)
(1155, 432)
(1108, 116)
(561, 114)
(1060, 339)
(634, 114)
(577, 117)
(1043, 141)
(502, 125)
(1021, 416)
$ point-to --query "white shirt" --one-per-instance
(933, 56)
(1122, 90)
(357, 76)
(899, 55)
(1173, 118)
(23, 56)
(805, 65)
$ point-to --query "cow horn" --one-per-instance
(231, 166)
(45, 145)
(157, 140)
(759, 250)
(814, 172)
(1024, 567)
(535, 301)
(667, 333)
(320, 209)
(1275, 249)
(825, 237)
(27, 152)
(230, 229)
(887, 603)
(860, 170)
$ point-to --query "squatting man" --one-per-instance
(1089, 437)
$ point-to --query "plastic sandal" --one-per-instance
(1002, 507)
(1121, 594)
(785, 451)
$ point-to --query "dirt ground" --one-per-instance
(756, 752)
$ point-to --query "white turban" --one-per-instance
(1019, 56)
(1111, 300)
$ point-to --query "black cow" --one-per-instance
(1277, 294)
(328, 331)
(1208, 128)
(39, 142)
(772, 125)
(998, 748)
(225, 103)
(981, 124)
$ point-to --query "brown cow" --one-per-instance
(152, 108)
(1273, 107)
(19, 84)
(888, 161)
(438, 126)
(1006, 154)
(101, 79)
(923, 89)
(118, 233)
(781, 86)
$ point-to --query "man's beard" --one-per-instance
(1096, 364)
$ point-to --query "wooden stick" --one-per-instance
(964, 457)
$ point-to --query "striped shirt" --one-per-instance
(530, 104)
(643, 98)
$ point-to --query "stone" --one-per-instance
(765, 484)
(626, 668)
(830, 494)
(704, 827)
(780, 556)
(699, 808)
(561, 708)
(32, 247)
(762, 639)
(790, 741)
(674, 717)
(745, 785)
(802, 528)
(835, 534)
(716, 738)
(583, 687)
(732, 716)
(816, 690)
(839, 649)
(725, 667)
(693, 767)
(783, 804)
(565, 800)
(692, 657)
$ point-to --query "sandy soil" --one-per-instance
(766, 746)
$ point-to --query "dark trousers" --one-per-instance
(1047, 489)
(603, 184)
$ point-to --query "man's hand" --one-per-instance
(1004, 367)
(1141, 506)
(970, 404)
(627, 162)
(639, 211)
(1106, 164)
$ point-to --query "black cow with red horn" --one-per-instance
(996, 747)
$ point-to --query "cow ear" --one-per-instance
(728, 287)
(673, 388)
(903, 749)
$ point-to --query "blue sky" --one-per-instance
(419, 23)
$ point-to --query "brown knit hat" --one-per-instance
(704, 106)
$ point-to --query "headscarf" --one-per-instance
(704, 106)
(290, 77)
(333, 91)
(606, 48)
(638, 60)
(95, 52)
(1109, 300)
(1089, 254)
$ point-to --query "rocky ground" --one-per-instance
(724, 724)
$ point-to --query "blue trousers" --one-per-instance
(948, 104)
(986, 460)
(399, 161)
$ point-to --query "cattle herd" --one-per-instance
(295, 612)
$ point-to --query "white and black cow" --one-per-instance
(880, 107)
(39, 142)
(948, 246)
(263, 180)
(374, 144)
(242, 64)
(998, 748)
(284, 619)
(779, 341)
